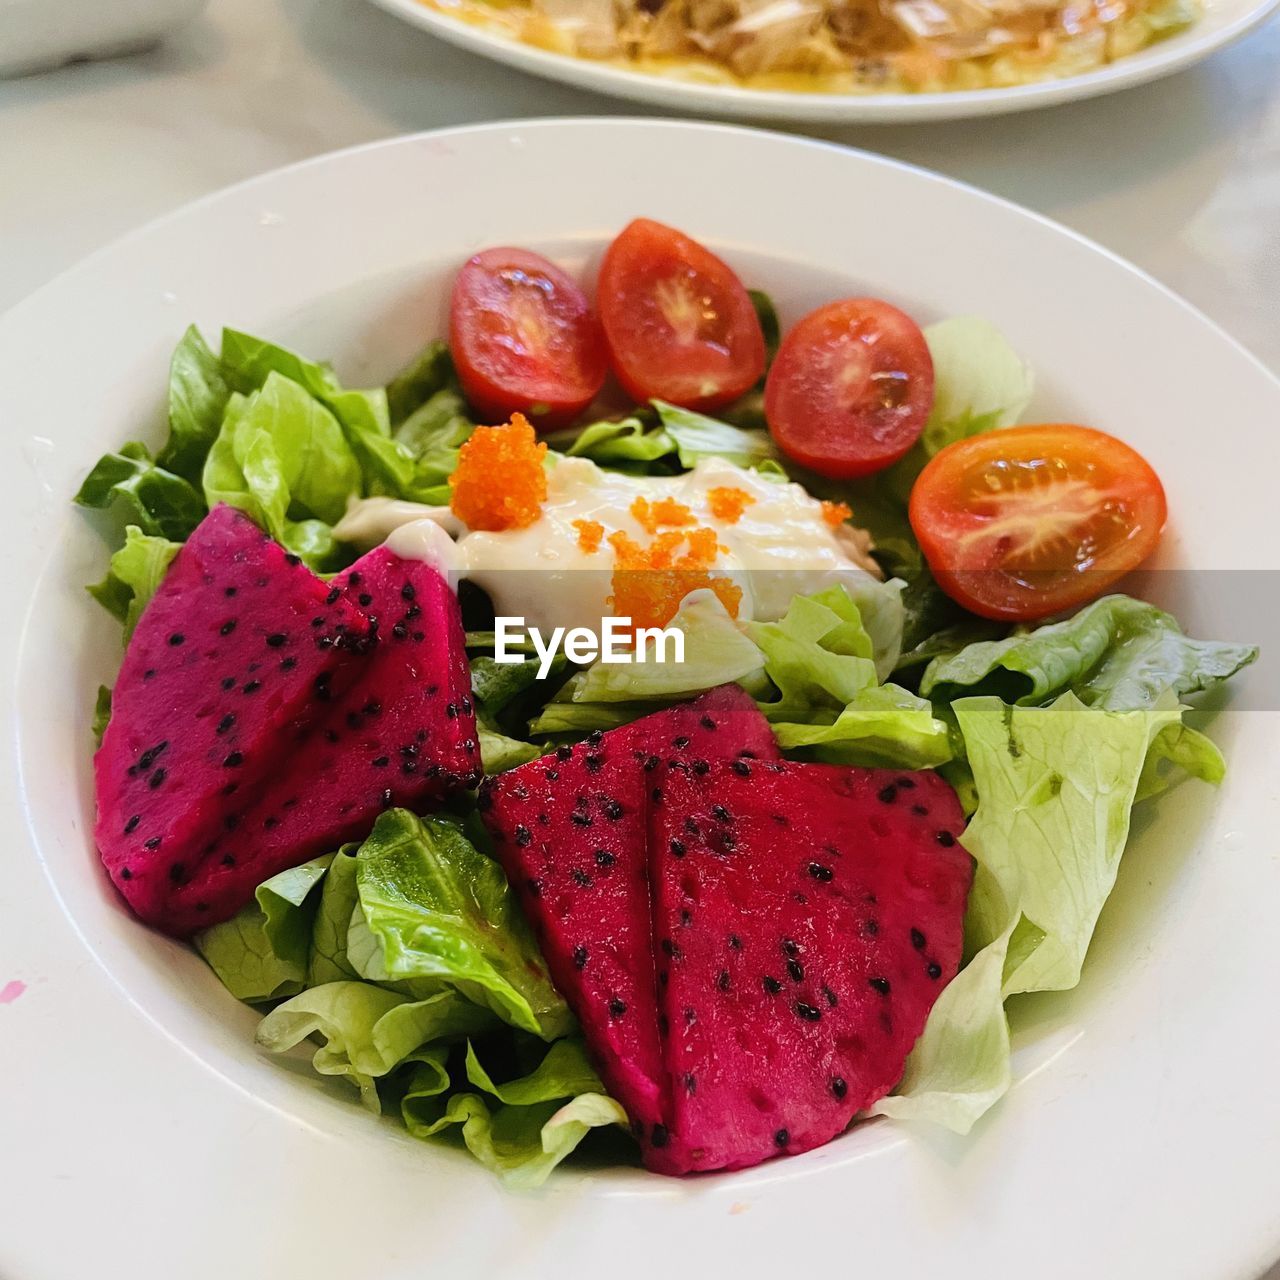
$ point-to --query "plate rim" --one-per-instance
(1154, 62)
(676, 123)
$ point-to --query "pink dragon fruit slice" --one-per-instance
(240, 642)
(404, 734)
(806, 917)
(570, 830)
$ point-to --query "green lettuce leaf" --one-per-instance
(132, 485)
(433, 434)
(387, 466)
(818, 655)
(499, 753)
(339, 903)
(980, 383)
(814, 671)
(680, 436)
(882, 726)
(498, 684)
(282, 457)
(262, 952)
(820, 659)
(1178, 752)
(715, 652)
(101, 714)
(1056, 787)
(443, 911)
(521, 1129)
(1116, 654)
(198, 394)
(135, 572)
(367, 1030)
(697, 436)
(427, 374)
(628, 444)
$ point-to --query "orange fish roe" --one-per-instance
(590, 534)
(499, 482)
(651, 516)
(649, 582)
(727, 503)
(836, 513)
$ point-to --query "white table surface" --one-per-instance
(1181, 177)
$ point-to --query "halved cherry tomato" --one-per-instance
(678, 323)
(524, 339)
(850, 388)
(1024, 522)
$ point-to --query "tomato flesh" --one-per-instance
(850, 388)
(678, 323)
(524, 339)
(1025, 522)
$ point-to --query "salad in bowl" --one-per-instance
(638, 715)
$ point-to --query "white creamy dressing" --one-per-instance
(781, 546)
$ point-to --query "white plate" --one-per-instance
(1222, 22)
(139, 1129)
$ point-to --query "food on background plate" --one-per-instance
(839, 46)
(728, 903)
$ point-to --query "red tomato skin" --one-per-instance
(648, 359)
(940, 520)
(806, 401)
(553, 370)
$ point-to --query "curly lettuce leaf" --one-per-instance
(521, 1129)
(338, 906)
(131, 484)
(367, 1030)
(133, 576)
(627, 444)
(698, 436)
(814, 671)
(882, 726)
(1179, 752)
(282, 457)
(443, 911)
(679, 438)
(1116, 654)
(820, 659)
(198, 394)
(261, 953)
(387, 463)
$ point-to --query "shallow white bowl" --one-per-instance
(1223, 22)
(142, 1134)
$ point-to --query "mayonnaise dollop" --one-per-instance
(780, 546)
